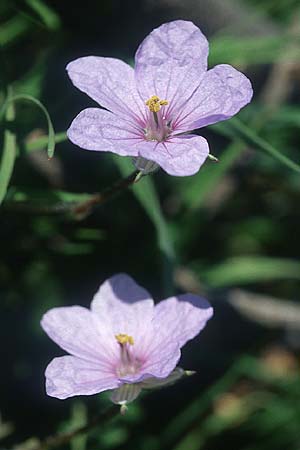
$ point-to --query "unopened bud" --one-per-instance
(189, 373)
(212, 158)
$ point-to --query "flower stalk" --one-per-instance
(60, 439)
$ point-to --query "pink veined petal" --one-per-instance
(161, 356)
(179, 156)
(171, 61)
(79, 332)
(100, 130)
(181, 318)
(221, 94)
(176, 320)
(127, 306)
(110, 82)
(158, 355)
(67, 376)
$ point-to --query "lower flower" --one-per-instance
(123, 344)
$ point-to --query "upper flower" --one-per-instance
(169, 92)
(123, 342)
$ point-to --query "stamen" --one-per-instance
(154, 103)
(124, 339)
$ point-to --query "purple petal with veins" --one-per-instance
(168, 93)
(124, 339)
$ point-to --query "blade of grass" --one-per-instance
(9, 152)
(195, 189)
(49, 196)
(13, 30)
(146, 194)
(249, 269)
(51, 133)
(42, 142)
(177, 427)
(250, 50)
(251, 136)
(48, 16)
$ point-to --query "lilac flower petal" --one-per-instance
(100, 130)
(181, 318)
(171, 61)
(78, 331)
(68, 376)
(222, 93)
(125, 305)
(108, 81)
(179, 156)
(161, 356)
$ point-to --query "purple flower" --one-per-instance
(152, 107)
(123, 343)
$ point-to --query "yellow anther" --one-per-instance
(124, 339)
(154, 103)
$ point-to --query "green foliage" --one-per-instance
(9, 151)
(195, 190)
(235, 223)
(13, 30)
(248, 269)
(10, 143)
(248, 50)
(146, 194)
(47, 14)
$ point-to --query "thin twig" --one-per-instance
(63, 438)
(84, 208)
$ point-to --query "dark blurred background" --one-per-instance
(230, 233)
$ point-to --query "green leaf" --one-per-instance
(195, 411)
(48, 15)
(248, 269)
(287, 115)
(46, 195)
(145, 192)
(250, 50)
(42, 142)
(31, 81)
(51, 133)
(194, 190)
(9, 153)
(13, 29)
(250, 136)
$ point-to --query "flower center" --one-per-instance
(129, 364)
(157, 127)
(154, 103)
